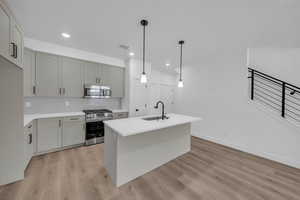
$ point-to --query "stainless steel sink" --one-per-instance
(154, 118)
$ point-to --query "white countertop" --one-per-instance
(29, 118)
(136, 125)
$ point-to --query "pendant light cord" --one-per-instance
(144, 30)
(181, 43)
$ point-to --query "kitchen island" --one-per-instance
(135, 146)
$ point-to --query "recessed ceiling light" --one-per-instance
(66, 35)
(168, 64)
(131, 53)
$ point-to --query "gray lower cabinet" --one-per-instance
(73, 131)
(47, 75)
(49, 134)
(29, 73)
(55, 133)
(29, 141)
(72, 77)
(114, 78)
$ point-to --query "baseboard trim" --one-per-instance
(58, 149)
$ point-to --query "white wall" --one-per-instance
(282, 63)
(51, 48)
(160, 86)
(136, 94)
(217, 92)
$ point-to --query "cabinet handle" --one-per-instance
(59, 123)
(75, 119)
(30, 126)
(16, 54)
(30, 138)
(59, 91)
(13, 50)
(34, 90)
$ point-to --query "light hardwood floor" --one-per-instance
(208, 172)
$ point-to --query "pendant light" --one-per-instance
(144, 23)
(180, 82)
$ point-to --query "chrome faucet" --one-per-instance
(163, 116)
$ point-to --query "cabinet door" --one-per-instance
(17, 39)
(29, 73)
(114, 78)
(105, 75)
(4, 33)
(91, 72)
(72, 77)
(73, 131)
(117, 81)
(47, 75)
(48, 134)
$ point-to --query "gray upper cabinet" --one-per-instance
(105, 75)
(17, 40)
(47, 75)
(11, 40)
(117, 81)
(72, 77)
(114, 78)
(50, 75)
(92, 73)
(4, 32)
(29, 73)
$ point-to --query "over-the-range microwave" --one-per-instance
(96, 91)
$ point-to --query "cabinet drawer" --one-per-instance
(120, 115)
(74, 119)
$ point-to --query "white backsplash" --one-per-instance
(55, 105)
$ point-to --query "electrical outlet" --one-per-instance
(67, 103)
(28, 104)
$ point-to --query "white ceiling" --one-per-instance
(211, 28)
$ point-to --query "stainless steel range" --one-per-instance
(95, 126)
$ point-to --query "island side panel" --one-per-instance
(141, 153)
(110, 153)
